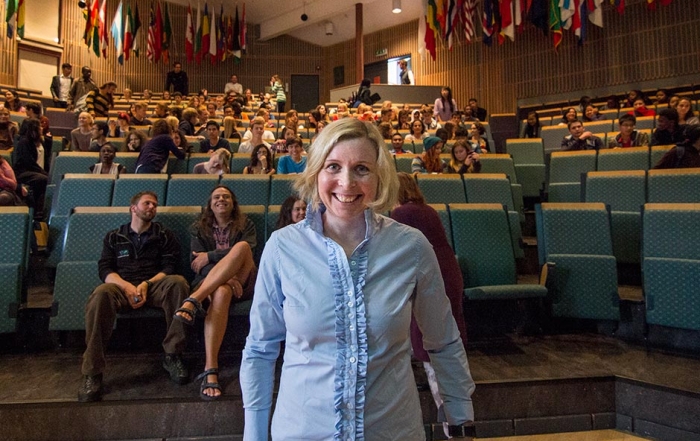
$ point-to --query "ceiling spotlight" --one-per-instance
(396, 6)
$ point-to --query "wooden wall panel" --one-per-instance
(639, 46)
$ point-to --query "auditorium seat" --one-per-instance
(503, 163)
(180, 219)
(239, 161)
(657, 152)
(128, 185)
(403, 162)
(528, 160)
(281, 188)
(680, 185)
(190, 189)
(441, 188)
(597, 126)
(249, 189)
(72, 162)
(444, 214)
(574, 238)
(196, 158)
(625, 193)
(643, 122)
(484, 249)
(632, 158)
(128, 160)
(14, 230)
(257, 214)
(552, 137)
(671, 265)
(565, 171)
(273, 215)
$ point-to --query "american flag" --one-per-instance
(151, 41)
(469, 9)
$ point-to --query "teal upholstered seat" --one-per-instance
(14, 230)
(565, 172)
(249, 189)
(128, 185)
(187, 190)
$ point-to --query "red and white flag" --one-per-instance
(469, 9)
(189, 35)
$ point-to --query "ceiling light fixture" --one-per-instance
(396, 9)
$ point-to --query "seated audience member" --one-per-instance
(135, 140)
(628, 136)
(12, 101)
(193, 102)
(428, 120)
(291, 121)
(343, 112)
(267, 135)
(166, 96)
(315, 117)
(640, 108)
(139, 116)
(364, 113)
(211, 111)
(126, 95)
(248, 100)
(444, 136)
(260, 162)
(218, 163)
(107, 166)
(464, 160)
(100, 131)
(180, 141)
(591, 114)
(99, 101)
(8, 130)
(461, 129)
(429, 161)
(294, 163)
(661, 96)
(32, 110)
(230, 131)
(478, 112)
(137, 267)
(213, 141)
(161, 111)
(120, 127)
(418, 132)
(10, 191)
(29, 164)
(189, 120)
(673, 101)
(384, 128)
(177, 100)
(173, 122)
(397, 144)
(147, 95)
(323, 113)
(580, 139)
(319, 127)
(385, 116)
(686, 154)
(568, 116)
(293, 210)
(612, 102)
(81, 136)
(257, 130)
(667, 129)
(237, 112)
(532, 127)
(476, 138)
(233, 86)
(280, 146)
(468, 115)
(153, 157)
(583, 103)
(47, 140)
(175, 111)
(632, 96)
(686, 115)
(222, 244)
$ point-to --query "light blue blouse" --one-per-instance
(347, 373)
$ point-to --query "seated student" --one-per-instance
(628, 136)
(12, 101)
(138, 268)
(591, 114)
(29, 164)
(180, 141)
(429, 161)
(661, 96)
(188, 121)
(135, 140)
(139, 116)
(686, 115)
(418, 132)
(211, 111)
(147, 95)
(223, 241)
(257, 130)
(667, 129)
(8, 130)
(166, 96)
(293, 210)
(476, 138)
(100, 131)
(640, 108)
(154, 155)
(213, 141)
(568, 116)
(478, 112)
(107, 166)
(385, 129)
(580, 139)
(464, 160)
(120, 127)
(428, 120)
(177, 100)
(294, 163)
(10, 193)
(632, 96)
(673, 101)
(218, 163)
(397, 144)
(267, 135)
(260, 162)
(613, 102)
(81, 136)
(161, 111)
(533, 127)
(686, 154)
(584, 102)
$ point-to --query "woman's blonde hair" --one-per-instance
(224, 156)
(345, 130)
(173, 122)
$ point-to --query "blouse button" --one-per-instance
(353, 263)
(353, 359)
(352, 327)
(350, 303)
(350, 292)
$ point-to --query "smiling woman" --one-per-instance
(347, 352)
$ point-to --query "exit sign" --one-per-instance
(381, 53)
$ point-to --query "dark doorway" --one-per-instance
(376, 71)
(305, 95)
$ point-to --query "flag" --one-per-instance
(452, 17)
(555, 22)
(567, 10)
(198, 35)
(205, 32)
(236, 37)
(11, 7)
(90, 20)
(430, 30)
(212, 36)
(651, 4)
(538, 15)
(487, 22)
(117, 29)
(432, 18)
(104, 42)
(421, 34)
(166, 35)
(229, 37)
(507, 28)
(518, 6)
(221, 36)
(128, 35)
(189, 35)
(95, 24)
(441, 17)
(136, 28)
(595, 12)
(469, 10)
(155, 34)
(578, 20)
(619, 5)
(243, 31)
(20, 18)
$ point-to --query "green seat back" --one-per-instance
(83, 190)
(681, 185)
(127, 186)
(249, 189)
(14, 228)
(188, 190)
(281, 188)
(633, 158)
(442, 189)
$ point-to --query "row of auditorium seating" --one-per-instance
(566, 168)
(15, 228)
